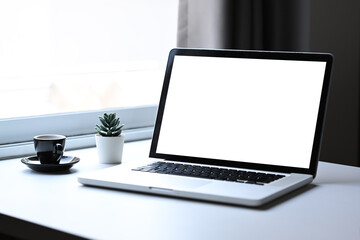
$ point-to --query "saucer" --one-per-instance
(66, 162)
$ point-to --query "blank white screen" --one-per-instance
(249, 110)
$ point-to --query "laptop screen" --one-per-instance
(257, 110)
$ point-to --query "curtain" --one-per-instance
(244, 24)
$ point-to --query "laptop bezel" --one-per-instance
(306, 56)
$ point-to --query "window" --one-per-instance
(63, 63)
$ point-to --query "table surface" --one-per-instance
(44, 204)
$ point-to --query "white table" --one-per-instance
(39, 205)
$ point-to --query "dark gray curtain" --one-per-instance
(244, 24)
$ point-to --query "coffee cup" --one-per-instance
(49, 148)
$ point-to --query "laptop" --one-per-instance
(236, 127)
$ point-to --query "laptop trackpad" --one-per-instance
(123, 177)
(173, 182)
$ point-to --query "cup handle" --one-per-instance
(59, 148)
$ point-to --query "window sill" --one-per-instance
(14, 150)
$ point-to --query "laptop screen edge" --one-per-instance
(312, 169)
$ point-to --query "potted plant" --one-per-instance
(109, 139)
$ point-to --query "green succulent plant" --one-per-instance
(110, 125)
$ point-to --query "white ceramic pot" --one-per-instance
(110, 149)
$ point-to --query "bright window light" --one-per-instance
(59, 56)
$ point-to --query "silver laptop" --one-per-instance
(238, 127)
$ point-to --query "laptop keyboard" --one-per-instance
(210, 173)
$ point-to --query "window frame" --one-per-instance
(68, 51)
(17, 133)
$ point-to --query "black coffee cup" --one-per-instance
(49, 148)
